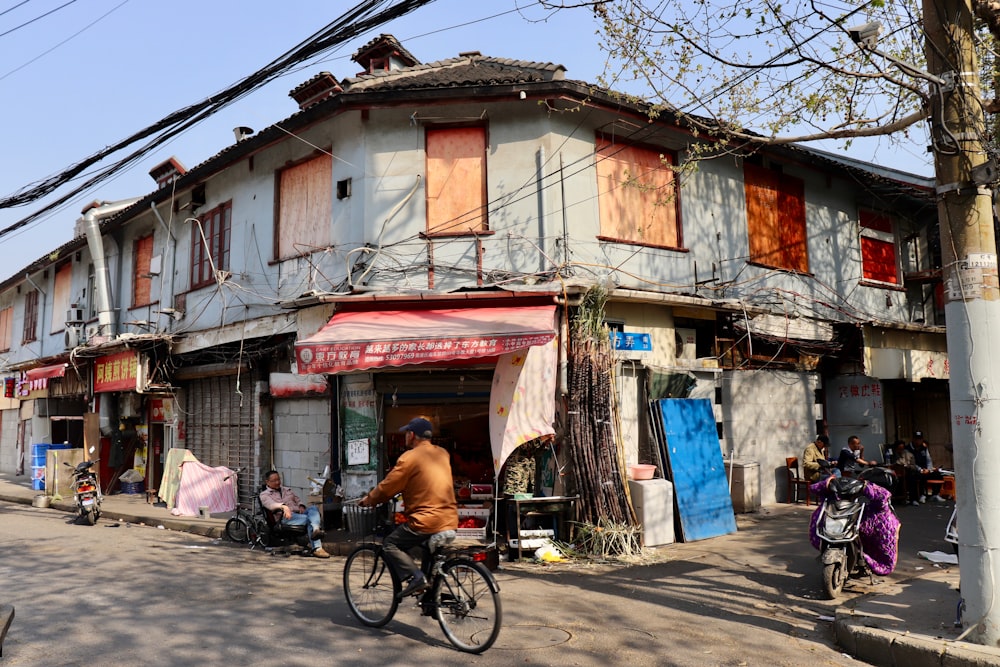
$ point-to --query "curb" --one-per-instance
(861, 637)
(178, 524)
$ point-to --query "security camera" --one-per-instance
(865, 35)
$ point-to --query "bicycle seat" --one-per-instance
(442, 539)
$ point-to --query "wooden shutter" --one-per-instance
(456, 180)
(305, 207)
(776, 218)
(142, 282)
(637, 197)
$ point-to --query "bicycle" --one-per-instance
(463, 595)
(244, 527)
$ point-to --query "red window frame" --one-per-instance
(879, 255)
(30, 332)
(214, 231)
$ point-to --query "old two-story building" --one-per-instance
(414, 239)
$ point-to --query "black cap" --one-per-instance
(824, 439)
(918, 434)
(420, 427)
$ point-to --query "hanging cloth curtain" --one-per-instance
(522, 400)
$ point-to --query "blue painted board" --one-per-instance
(690, 444)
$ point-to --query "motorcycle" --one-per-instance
(86, 491)
(838, 529)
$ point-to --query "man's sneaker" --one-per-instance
(937, 499)
(320, 553)
(417, 584)
(923, 499)
(915, 503)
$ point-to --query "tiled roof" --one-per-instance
(474, 70)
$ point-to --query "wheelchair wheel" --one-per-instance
(238, 530)
(370, 586)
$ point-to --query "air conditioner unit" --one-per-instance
(72, 336)
(90, 332)
(74, 315)
(685, 343)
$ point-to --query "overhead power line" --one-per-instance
(360, 19)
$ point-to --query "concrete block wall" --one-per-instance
(8, 441)
(302, 440)
(768, 416)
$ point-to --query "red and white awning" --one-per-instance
(364, 340)
(45, 372)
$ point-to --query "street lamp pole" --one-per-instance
(972, 306)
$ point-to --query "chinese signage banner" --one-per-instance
(116, 372)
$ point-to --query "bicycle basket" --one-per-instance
(359, 521)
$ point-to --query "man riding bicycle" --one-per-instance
(423, 475)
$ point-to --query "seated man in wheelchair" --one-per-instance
(423, 475)
(277, 498)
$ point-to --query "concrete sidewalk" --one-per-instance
(908, 619)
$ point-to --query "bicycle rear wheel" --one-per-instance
(238, 530)
(370, 586)
(468, 605)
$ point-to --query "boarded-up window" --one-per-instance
(305, 207)
(776, 218)
(6, 328)
(60, 296)
(637, 194)
(210, 245)
(30, 332)
(142, 281)
(878, 247)
(456, 180)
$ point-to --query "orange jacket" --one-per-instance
(423, 475)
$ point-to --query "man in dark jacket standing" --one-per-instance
(423, 475)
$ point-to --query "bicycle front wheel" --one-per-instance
(238, 530)
(370, 586)
(468, 605)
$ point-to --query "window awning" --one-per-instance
(357, 341)
(46, 372)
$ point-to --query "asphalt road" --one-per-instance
(136, 595)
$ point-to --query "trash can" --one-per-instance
(744, 485)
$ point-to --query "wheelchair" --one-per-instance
(265, 529)
(277, 537)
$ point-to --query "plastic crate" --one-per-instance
(472, 533)
(482, 512)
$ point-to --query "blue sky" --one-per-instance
(95, 71)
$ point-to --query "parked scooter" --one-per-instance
(86, 491)
(838, 529)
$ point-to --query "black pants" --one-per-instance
(911, 478)
(397, 546)
(934, 474)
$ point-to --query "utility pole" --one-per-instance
(972, 305)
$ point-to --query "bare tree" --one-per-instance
(772, 72)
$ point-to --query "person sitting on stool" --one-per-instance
(928, 472)
(911, 473)
(294, 513)
(852, 456)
